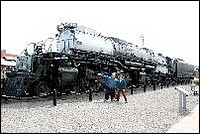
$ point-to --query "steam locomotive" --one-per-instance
(72, 59)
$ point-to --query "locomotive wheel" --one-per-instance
(42, 89)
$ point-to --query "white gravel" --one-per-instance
(149, 112)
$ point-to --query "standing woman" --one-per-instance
(121, 84)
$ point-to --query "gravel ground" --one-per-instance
(149, 112)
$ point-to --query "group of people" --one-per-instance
(114, 86)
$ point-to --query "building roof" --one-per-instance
(7, 62)
(5, 54)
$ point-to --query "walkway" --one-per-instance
(189, 124)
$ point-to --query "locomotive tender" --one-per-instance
(72, 60)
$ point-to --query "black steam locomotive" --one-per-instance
(77, 54)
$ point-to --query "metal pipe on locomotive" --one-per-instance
(77, 54)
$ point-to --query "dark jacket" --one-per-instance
(110, 81)
(121, 84)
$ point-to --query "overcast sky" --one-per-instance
(170, 28)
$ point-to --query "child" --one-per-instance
(121, 85)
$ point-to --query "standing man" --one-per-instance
(110, 84)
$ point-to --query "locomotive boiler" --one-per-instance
(74, 57)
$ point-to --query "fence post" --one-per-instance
(154, 86)
(180, 101)
(90, 94)
(132, 89)
(144, 87)
(184, 102)
(54, 97)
